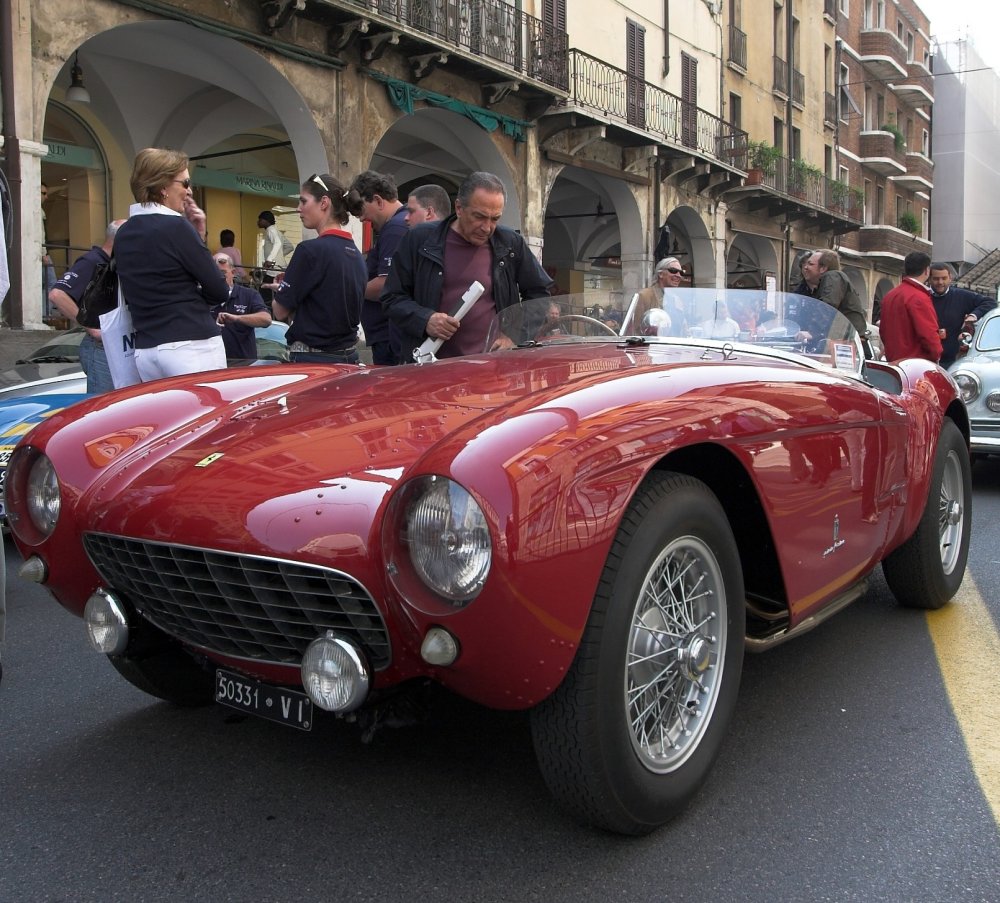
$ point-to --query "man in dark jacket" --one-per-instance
(65, 296)
(437, 262)
(953, 307)
(240, 315)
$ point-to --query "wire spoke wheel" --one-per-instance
(632, 732)
(675, 654)
(951, 511)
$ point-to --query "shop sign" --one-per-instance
(72, 155)
(245, 183)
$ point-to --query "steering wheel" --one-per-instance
(576, 318)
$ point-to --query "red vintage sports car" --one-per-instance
(593, 525)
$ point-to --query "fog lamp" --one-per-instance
(107, 626)
(439, 647)
(34, 569)
(334, 674)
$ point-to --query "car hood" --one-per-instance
(37, 375)
(273, 450)
(243, 439)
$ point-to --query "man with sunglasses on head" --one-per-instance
(671, 318)
(387, 215)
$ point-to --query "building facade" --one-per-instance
(622, 131)
(964, 218)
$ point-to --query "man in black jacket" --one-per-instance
(953, 307)
(436, 263)
(65, 296)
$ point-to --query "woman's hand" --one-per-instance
(196, 216)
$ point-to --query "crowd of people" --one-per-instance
(191, 309)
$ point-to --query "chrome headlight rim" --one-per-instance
(969, 385)
(447, 538)
(32, 495)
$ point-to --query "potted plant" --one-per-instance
(897, 135)
(801, 175)
(839, 194)
(762, 161)
(908, 222)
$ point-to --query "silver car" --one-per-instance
(978, 378)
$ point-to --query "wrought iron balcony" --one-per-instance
(493, 30)
(829, 108)
(617, 96)
(780, 77)
(794, 187)
(798, 88)
(738, 47)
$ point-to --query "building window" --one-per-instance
(844, 175)
(869, 206)
(779, 135)
(879, 212)
(635, 65)
(925, 143)
(925, 223)
(736, 111)
(845, 7)
(909, 47)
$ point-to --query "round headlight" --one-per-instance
(448, 539)
(968, 386)
(334, 674)
(42, 496)
(993, 402)
(107, 626)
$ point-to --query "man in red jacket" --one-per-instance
(909, 326)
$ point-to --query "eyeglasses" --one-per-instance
(222, 262)
(674, 271)
(185, 182)
(315, 178)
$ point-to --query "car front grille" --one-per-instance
(245, 606)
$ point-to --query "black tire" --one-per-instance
(927, 570)
(170, 674)
(599, 738)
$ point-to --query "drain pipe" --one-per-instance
(11, 162)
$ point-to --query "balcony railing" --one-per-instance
(780, 76)
(795, 179)
(489, 28)
(829, 107)
(737, 47)
(798, 88)
(614, 93)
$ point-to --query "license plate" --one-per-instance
(274, 703)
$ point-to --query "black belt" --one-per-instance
(303, 348)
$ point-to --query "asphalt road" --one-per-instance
(845, 777)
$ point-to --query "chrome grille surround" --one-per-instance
(243, 606)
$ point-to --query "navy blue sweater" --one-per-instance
(169, 279)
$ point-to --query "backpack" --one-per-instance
(100, 295)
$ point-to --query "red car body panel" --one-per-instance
(304, 464)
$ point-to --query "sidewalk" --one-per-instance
(17, 343)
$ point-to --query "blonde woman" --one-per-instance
(167, 273)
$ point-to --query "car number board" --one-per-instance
(274, 703)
